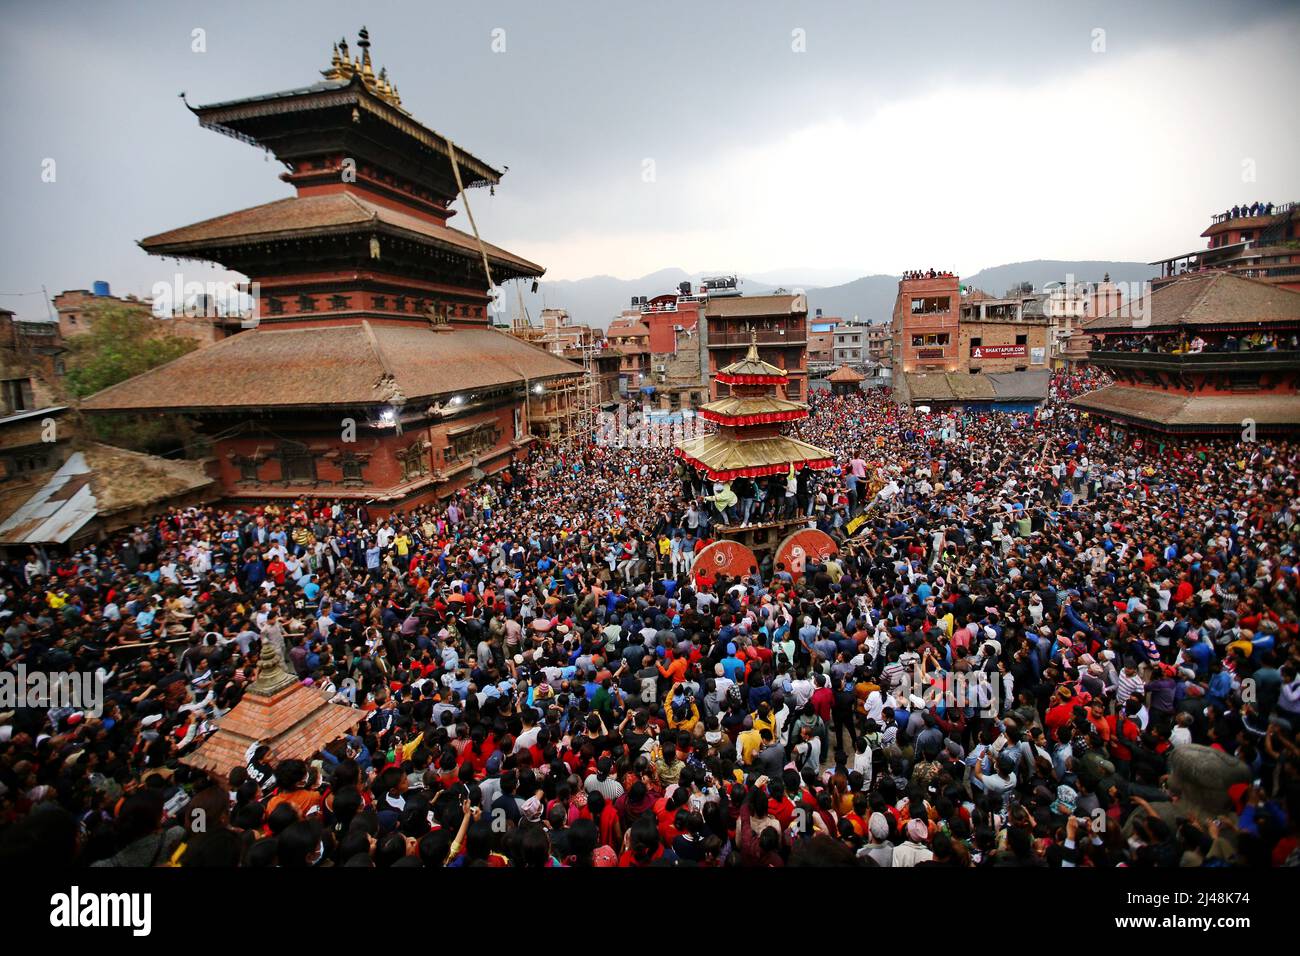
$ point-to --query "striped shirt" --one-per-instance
(1126, 687)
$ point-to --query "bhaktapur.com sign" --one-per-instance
(997, 351)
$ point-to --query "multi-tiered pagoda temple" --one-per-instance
(750, 443)
(373, 371)
(1208, 353)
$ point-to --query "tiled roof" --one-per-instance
(295, 722)
(330, 212)
(845, 374)
(1181, 409)
(733, 406)
(229, 116)
(721, 454)
(1211, 298)
(97, 481)
(989, 387)
(947, 387)
(333, 365)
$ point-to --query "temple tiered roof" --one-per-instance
(331, 214)
(723, 457)
(749, 442)
(761, 410)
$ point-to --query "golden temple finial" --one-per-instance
(363, 41)
(752, 354)
(344, 66)
(340, 67)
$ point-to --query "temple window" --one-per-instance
(351, 468)
(475, 441)
(414, 461)
(296, 462)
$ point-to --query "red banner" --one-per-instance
(997, 351)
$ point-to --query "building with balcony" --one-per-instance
(1210, 352)
(943, 340)
(852, 344)
(631, 337)
(1009, 334)
(778, 323)
(1260, 241)
(923, 331)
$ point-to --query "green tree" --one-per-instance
(122, 343)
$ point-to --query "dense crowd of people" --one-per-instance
(1043, 643)
(1193, 344)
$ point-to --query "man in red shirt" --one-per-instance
(1061, 712)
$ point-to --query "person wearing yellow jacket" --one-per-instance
(681, 711)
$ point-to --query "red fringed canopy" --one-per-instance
(726, 379)
(766, 418)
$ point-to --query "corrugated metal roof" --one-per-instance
(61, 507)
(33, 413)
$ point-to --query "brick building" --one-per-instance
(1002, 335)
(923, 330)
(31, 360)
(631, 337)
(78, 308)
(779, 324)
(943, 340)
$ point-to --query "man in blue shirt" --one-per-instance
(732, 666)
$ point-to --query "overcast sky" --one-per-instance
(844, 137)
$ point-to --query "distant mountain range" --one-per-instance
(598, 299)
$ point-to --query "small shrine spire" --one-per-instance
(271, 675)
